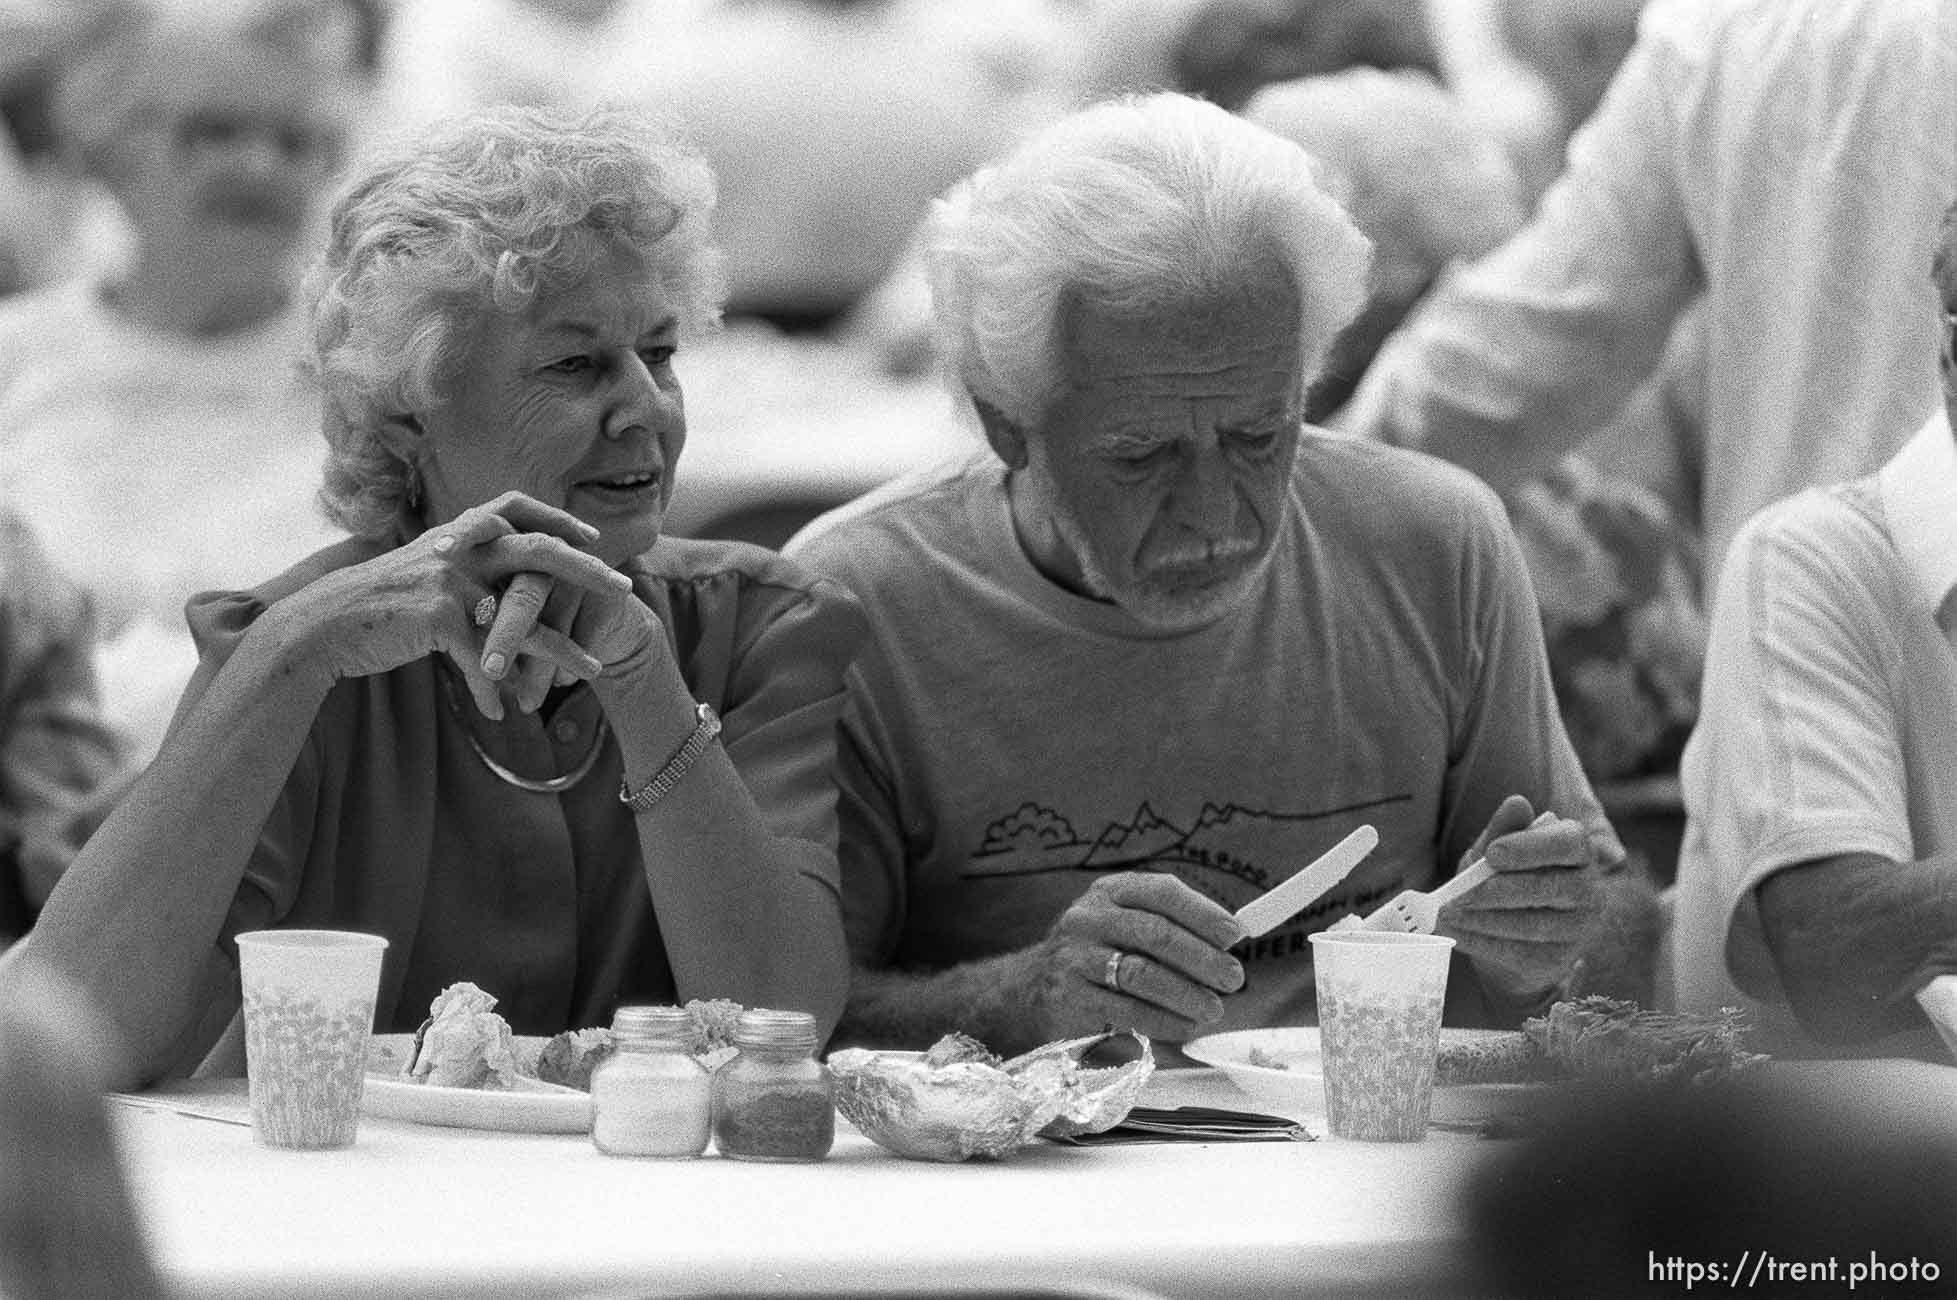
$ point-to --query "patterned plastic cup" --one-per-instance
(309, 1007)
(1379, 1028)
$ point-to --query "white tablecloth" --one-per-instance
(422, 1211)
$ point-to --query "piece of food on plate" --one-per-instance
(1490, 1058)
(1604, 1038)
(1600, 1038)
(958, 1101)
(570, 1057)
(1264, 1060)
(464, 1043)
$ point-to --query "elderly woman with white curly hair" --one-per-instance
(507, 725)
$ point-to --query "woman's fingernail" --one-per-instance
(493, 663)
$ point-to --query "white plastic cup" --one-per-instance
(1379, 1029)
(309, 1009)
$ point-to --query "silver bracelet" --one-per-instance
(683, 758)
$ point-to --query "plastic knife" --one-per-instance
(1262, 914)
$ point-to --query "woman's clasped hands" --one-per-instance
(504, 589)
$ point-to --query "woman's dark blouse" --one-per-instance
(392, 824)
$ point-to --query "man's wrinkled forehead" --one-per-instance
(1099, 341)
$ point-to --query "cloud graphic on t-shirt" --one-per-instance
(1030, 827)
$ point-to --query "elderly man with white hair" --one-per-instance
(1163, 643)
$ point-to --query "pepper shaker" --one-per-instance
(774, 1101)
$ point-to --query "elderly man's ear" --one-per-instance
(1008, 437)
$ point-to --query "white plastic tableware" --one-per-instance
(1417, 911)
(308, 1010)
(1279, 905)
(1290, 1080)
(534, 1107)
(538, 1107)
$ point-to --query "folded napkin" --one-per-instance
(1194, 1124)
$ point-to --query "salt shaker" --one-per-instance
(774, 1101)
(652, 1097)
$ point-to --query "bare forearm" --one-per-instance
(990, 999)
(1854, 937)
(135, 920)
(742, 911)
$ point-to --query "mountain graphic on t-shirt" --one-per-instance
(1254, 846)
(1137, 840)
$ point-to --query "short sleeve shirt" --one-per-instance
(1828, 724)
(1786, 162)
(1007, 743)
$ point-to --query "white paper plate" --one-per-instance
(1298, 1088)
(536, 1107)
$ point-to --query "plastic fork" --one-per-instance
(1418, 911)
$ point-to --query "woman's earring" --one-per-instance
(411, 487)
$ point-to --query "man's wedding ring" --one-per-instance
(485, 612)
(1112, 975)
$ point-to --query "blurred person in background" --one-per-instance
(55, 222)
(445, 58)
(68, 1223)
(1420, 182)
(1804, 242)
(1230, 48)
(1160, 643)
(1818, 885)
(154, 428)
(57, 757)
(1530, 72)
(1615, 570)
(1575, 45)
(508, 724)
(1223, 50)
(833, 126)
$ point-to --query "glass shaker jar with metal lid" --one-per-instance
(774, 1101)
(652, 1096)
